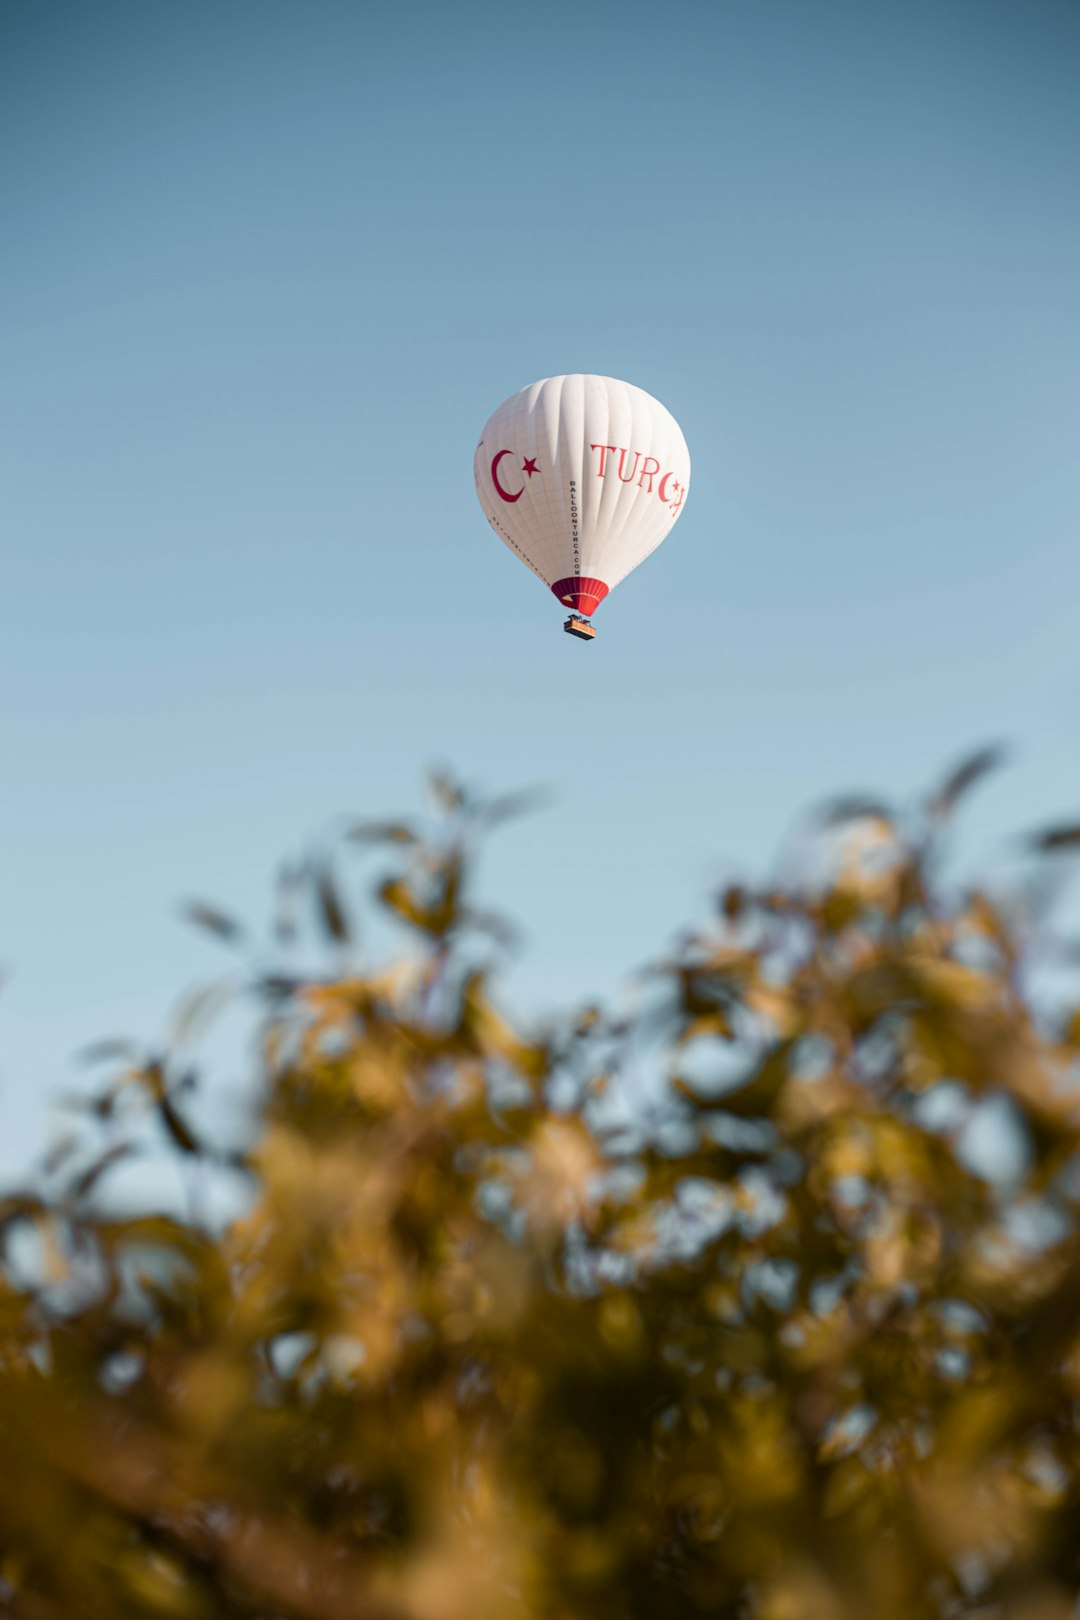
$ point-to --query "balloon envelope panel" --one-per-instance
(582, 476)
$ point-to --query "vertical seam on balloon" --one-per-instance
(561, 522)
(524, 419)
(605, 505)
(615, 538)
(529, 415)
(641, 555)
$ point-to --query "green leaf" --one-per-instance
(448, 794)
(381, 832)
(89, 1178)
(199, 1009)
(331, 907)
(1053, 839)
(509, 806)
(964, 777)
(214, 921)
(111, 1050)
(178, 1129)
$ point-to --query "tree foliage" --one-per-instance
(798, 1339)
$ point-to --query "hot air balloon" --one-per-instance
(582, 477)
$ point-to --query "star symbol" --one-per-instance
(530, 467)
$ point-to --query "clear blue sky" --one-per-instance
(265, 269)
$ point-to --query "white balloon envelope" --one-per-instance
(582, 477)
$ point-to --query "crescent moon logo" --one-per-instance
(506, 495)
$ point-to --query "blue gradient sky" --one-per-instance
(265, 269)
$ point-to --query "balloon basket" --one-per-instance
(580, 628)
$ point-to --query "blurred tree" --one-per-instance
(800, 1343)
